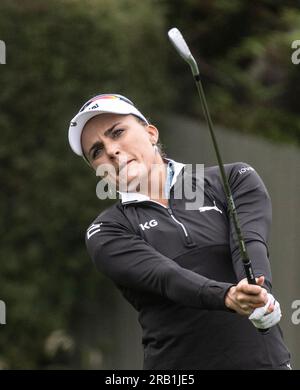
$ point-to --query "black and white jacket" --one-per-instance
(176, 265)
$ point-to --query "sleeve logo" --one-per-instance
(245, 169)
(93, 229)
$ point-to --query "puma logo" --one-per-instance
(207, 208)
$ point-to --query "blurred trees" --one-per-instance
(59, 53)
(244, 52)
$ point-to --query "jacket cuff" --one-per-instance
(213, 295)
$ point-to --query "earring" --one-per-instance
(155, 148)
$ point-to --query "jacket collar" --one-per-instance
(127, 197)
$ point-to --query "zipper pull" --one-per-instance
(170, 211)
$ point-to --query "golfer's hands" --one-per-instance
(254, 301)
(244, 298)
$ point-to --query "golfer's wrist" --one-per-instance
(229, 298)
(213, 294)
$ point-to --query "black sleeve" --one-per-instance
(131, 262)
(254, 211)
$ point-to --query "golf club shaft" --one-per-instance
(230, 201)
(243, 251)
(184, 51)
(182, 48)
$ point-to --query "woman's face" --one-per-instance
(122, 143)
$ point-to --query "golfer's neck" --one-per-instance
(157, 181)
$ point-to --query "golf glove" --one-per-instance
(263, 320)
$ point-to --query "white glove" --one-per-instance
(260, 319)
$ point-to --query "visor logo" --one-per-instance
(105, 96)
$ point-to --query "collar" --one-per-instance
(175, 167)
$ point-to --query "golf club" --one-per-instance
(180, 45)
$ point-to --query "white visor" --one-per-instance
(115, 104)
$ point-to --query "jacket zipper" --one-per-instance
(187, 236)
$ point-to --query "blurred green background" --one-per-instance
(60, 311)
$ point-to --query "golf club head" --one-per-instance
(182, 48)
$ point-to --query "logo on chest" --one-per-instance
(148, 225)
(208, 208)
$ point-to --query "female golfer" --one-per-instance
(178, 264)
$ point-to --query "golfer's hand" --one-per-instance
(262, 319)
(244, 298)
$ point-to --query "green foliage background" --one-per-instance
(59, 53)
